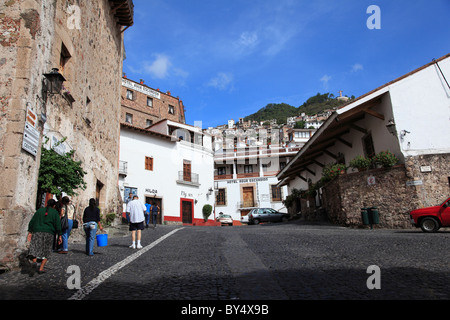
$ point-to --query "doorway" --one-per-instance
(158, 202)
(248, 197)
(187, 210)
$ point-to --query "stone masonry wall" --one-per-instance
(33, 36)
(345, 196)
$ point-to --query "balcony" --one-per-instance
(248, 204)
(187, 178)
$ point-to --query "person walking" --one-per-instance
(91, 221)
(42, 229)
(148, 213)
(136, 211)
(155, 211)
(66, 209)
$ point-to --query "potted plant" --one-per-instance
(361, 163)
(385, 159)
(331, 172)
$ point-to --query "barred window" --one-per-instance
(276, 193)
(221, 197)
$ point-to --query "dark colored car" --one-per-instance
(431, 219)
(258, 215)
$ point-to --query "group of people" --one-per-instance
(50, 228)
(138, 216)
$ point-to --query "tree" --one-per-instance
(59, 173)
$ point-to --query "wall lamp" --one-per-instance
(54, 81)
(391, 127)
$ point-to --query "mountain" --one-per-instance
(281, 111)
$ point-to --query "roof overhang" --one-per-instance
(123, 10)
(338, 124)
(149, 132)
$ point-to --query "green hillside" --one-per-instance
(281, 111)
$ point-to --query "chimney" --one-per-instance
(142, 81)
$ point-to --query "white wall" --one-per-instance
(421, 105)
(167, 162)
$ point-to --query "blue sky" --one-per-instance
(228, 59)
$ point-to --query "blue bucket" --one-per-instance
(102, 240)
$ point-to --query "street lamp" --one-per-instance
(54, 81)
(391, 127)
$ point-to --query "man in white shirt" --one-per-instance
(136, 210)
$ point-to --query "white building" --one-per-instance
(171, 164)
(410, 117)
(245, 178)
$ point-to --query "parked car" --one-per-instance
(244, 219)
(258, 215)
(431, 219)
(225, 219)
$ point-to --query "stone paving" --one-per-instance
(283, 261)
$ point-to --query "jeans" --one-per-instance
(90, 228)
(147, 218)
(154, 216)
(65, 237)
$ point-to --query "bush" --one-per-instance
(207, 209)
(360, 162)
(331, 172)
(386, 159)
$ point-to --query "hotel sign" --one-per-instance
(142, 89)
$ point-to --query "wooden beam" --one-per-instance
(374, 113)
(348, 144)
(357, 128)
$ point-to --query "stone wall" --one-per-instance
(434, 173)
(34, 36)
(344, 197)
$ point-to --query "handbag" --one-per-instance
(75, 224)
(64, 222)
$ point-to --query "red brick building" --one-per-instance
(143, 106)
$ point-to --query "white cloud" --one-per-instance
(221, 81)
(325, 79)
(357, 67)
(159, 68)
(248, 39)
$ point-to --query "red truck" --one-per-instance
(431, 219)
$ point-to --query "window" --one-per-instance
(149, 102)
(276, 193)
(171, 109)
(64, 59)
(149, 122)
(149, 163)
(129, 118)
(129, 95)
(221, 171)
(369, 149)
(221, 197)
(282, 165)
(248, 169)
(186, 170)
